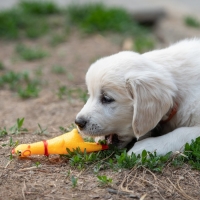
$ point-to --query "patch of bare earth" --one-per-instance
(22, 179)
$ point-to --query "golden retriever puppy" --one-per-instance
(131, 93)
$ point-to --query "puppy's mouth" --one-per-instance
(112, 139)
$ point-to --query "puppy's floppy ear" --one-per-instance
(152, 95)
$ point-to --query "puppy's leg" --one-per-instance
(173, 141)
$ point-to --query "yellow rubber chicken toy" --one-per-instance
(58, 145)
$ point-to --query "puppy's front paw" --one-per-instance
(146, 144)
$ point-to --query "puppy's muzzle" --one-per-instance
(80, 122)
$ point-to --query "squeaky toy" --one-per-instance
(58, 145)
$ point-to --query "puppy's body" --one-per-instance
(131, 93)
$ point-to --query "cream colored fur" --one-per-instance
(145, 87)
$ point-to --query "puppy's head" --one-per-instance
(128, 96)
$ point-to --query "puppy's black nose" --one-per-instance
(80, 122)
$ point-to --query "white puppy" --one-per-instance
(131, 93)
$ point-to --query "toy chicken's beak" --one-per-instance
(13, 151)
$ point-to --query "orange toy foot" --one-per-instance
(58, 145)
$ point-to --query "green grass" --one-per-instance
(16, 23)
(57, 39)
(33, 19)
(58, 69)
(143, 44)
(39, 7)
(192, 22)
(104, 180)
(3, 132)
(74, 181)
(117, 159)
(72, 93)
(2, 67)
(21, 83)
(96, 18)
(18, 128)
(30, 54)
(29, 19)
(41, 130)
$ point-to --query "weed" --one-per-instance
(74, 181)
(20, 82)
(68, 129)
(3, 132)
(2, 67)
(97, 168)
(12, 143)
(70, 93)
(9, 24)
(38, 7)
(62, 91)
(37, 164)
(70, 76)
(17, 128)
(104, 180)
(89, 139)
(30, 54)
(71, 127)
(192, 22)
(63, 130)
(15, 23)
(143, 44)
(57, 39)
(125, 161)
(192, 151)
(33, 32)
(11, 78)
(58, 69)
(31, 90)
(94, 18)
(41, 130)
(38, 72)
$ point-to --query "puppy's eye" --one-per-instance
(106, 99)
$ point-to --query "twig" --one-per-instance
(181, 191)
(23, 190)
(8, 163)
(114, 191)
(28, 168)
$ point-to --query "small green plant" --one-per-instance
(41, 131)
(21, 83)
(96, 18)
(38, 71)
(57, 39)
(89, 139)
(62, 91)
(10, 78)
(37, 164)
(192, 22)
(17, 128)
(192, 151)
(58, 69)
(63, 130)
(104, 180)
(30, 54)
(74, 181)
(143, 44)
(2, 67)
(3, 132)
(31, 90)
(38, 7)
(70, 93)
(12, 143)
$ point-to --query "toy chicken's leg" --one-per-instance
(58, 145)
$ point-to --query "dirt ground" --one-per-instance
(21, 179)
